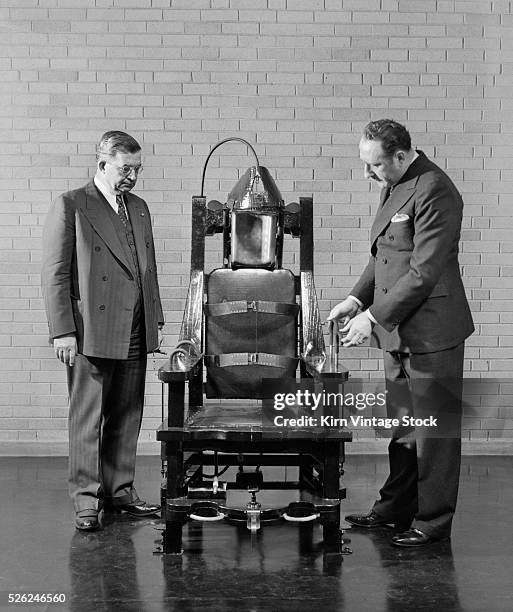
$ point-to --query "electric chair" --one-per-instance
(249, 326)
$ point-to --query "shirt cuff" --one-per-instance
(370, 315)
(359, 302)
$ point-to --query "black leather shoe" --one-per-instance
(135, 508)
(414, 538)
(88, 519)
(369, 521)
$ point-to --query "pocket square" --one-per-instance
(398, 217)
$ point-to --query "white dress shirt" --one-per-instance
(110, 197)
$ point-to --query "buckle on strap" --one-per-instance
(244, 359)
(258, 306)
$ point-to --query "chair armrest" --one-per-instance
(183, 364)
(329, 370)
(167, 375)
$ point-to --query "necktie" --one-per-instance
(122, 209)
(384, 195)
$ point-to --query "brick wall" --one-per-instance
(298, 79)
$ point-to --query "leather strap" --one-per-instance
(244, 359)
(239, 306)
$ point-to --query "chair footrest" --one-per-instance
(179, 510)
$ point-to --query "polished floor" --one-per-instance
(223, 569)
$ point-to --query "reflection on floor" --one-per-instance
(282, 568)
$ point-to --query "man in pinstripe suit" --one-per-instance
(104, 312)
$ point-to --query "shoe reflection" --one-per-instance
(103, 571)
(411, 579)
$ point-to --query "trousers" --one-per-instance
(422, 486)
(106, 398)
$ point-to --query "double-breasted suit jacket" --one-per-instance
(412, 281)
(89, 278)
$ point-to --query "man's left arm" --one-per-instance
(153, 266)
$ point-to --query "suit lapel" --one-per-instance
(136, 213)
(97, 213)
(397, 199)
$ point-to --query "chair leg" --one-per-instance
(306, 476)
(331, 476)
(306, 533)
(173, 538)
(175, 471)
(332, 536)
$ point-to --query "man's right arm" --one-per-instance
(58, 249)
(364, 288)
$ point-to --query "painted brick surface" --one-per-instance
(298, 79)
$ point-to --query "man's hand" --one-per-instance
(65, 348)
(344, 311)
(357, 330)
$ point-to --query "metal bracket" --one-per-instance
(253, 510)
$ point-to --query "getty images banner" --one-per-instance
(420, 407)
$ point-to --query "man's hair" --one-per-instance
(114, 141)
(392, 135)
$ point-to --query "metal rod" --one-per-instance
(233, 138)
(334, 344)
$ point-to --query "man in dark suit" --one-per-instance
(412, 294)
(104, 312)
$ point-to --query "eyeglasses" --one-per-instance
(127, 170)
